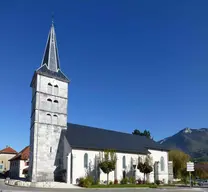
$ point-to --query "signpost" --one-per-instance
(190, 168)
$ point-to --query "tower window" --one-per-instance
(50, 149)
(50, 88)
(55, 106)
(55, 89)
(55, 119)
(48, 118)
(49, 103)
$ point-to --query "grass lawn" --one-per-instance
(122, 186)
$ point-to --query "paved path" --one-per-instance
(6, 188)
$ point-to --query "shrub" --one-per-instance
(116, 181)
(111, 182)
(85, 182)
(132, 180)
(124, 181)
(96, 182)
(90, 179)
(157, 182)
(184, 180)
(139, 182)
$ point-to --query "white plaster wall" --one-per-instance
(5, 159)
(60, 107)
(41, 117)
(163, 175)
(22, 166)
(42, 87)
(78, 169)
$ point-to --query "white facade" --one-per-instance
(4, 161)
(76, 166)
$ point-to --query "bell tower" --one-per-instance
(48, 114)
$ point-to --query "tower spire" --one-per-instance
(51, 57)
(52, 18)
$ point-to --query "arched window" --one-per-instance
(162, 164)
(48, 118)
(49, 103)
(55, 119)
(124, 162)
(55, 106)
(50, 88)
(85, 160)
(55, 89)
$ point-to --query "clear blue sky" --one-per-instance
(132, 64)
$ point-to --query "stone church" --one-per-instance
(64, 151)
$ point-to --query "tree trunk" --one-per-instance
(144, 178)
(107, 178)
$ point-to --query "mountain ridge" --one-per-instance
(192, 141)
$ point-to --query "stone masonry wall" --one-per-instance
(48, 119)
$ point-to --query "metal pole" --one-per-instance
(190, 177)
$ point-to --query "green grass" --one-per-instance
(122, 186)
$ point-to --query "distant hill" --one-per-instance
(192, 141)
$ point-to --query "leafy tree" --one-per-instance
(201, 170)
(146, 166)
(179, 159)
(145, 133)
(108, 162)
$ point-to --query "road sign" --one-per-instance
(190, 166)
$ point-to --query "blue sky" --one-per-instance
(132, 64)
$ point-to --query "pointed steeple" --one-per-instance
(50, 65)
(51, 57)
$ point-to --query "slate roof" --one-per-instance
(85, 137)
(57, 75)
(8, 150)
(50, 65)
(51, 57)
(22, 155)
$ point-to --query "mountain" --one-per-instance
(192, 141)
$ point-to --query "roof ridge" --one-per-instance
(8, 149)
(89, 126)
(20, 153)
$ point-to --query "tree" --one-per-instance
(179, 160)
(108, 162)
(145, 166)
(136, 132)
(145, 133)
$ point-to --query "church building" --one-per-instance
(64, 151)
